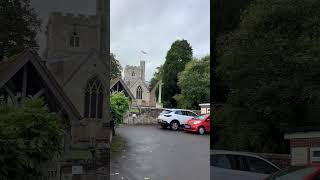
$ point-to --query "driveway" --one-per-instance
(158, 154)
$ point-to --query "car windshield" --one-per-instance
(200, 117)
(292, 173)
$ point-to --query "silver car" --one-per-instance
(229, 165)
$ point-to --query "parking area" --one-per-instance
(155, 153)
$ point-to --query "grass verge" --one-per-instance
(118, 145)
(81, 155)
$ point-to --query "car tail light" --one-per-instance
(166, 115)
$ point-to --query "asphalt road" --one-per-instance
(158, 154)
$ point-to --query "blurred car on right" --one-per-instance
(199, 124)
(231, 165)
(307, 172)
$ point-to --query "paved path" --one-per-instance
(159, 154)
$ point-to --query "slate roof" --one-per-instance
(113, 82)
(9, 67)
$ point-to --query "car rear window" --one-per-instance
(220, 160)
(191, 114)
(185, 113)
(260, 166)
(166, 112)
(293, 173)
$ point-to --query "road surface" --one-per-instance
(157, 154)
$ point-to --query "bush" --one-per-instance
(119, 106)
(29, 137)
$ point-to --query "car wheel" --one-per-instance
(201, 130)
(174, 125)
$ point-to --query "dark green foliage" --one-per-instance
(194, 83)
(227, 15)
(119, 104)
(19, 25)
(30, 136)
(115, 67)
(271, 65)
(226, 18)
(177, 57)
(157, 76)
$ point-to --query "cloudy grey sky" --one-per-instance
(153, 25)
(148, 25)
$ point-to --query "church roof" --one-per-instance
(7, 64)
(9, 67)
(114, 81)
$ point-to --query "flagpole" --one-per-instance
(142, 52)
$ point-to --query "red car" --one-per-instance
(308, 172)
(199, 124)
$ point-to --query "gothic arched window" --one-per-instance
(133, 74)
(93, 102)
(139, 93)
(74, 40)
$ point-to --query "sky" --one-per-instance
(153, 25)
(143, 25)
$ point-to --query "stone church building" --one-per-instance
(76, 54)
(73, 77)
(134, 78)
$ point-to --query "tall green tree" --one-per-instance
(194, 83)
(30, 136)
(115, 67)
(18, 28)
(226, 18)
(157, 76)
(271, 65)
(177, 57)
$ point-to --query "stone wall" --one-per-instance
(146, 116)
(62, 170)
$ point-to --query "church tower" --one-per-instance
(102, 12)
(69, 33)
(77, 55)
(142, 69)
